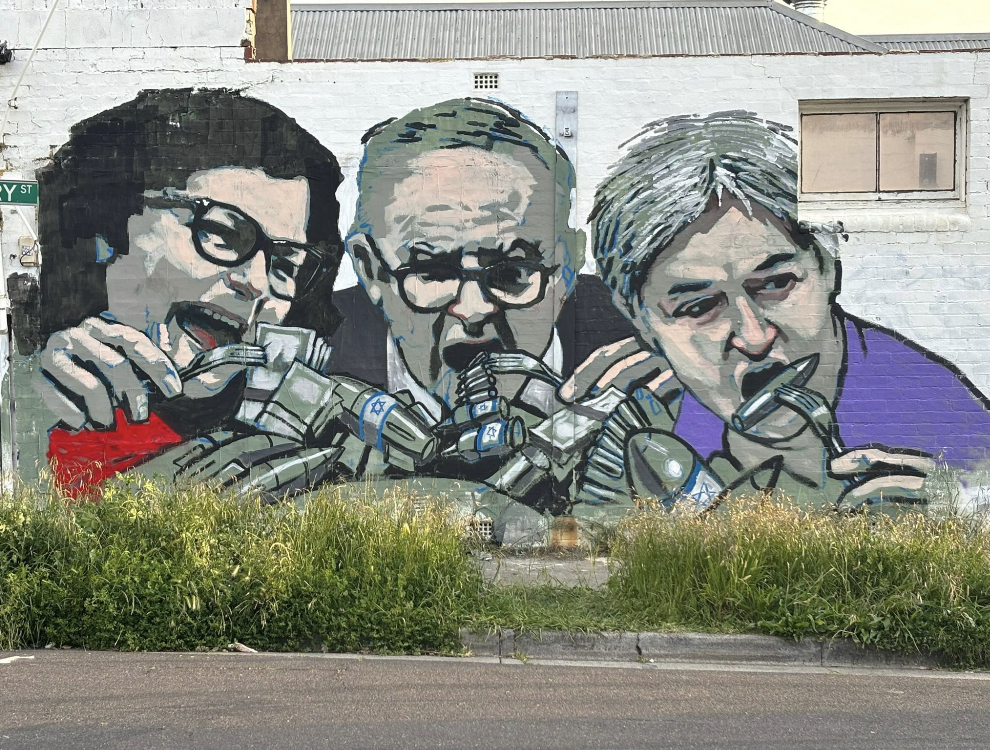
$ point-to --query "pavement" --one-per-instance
(547, 690)
(698, 648)
(88, 700)
(570, 568)
(556, 567)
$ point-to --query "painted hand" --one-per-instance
(91, 369)
(624, 365)
(881, 475)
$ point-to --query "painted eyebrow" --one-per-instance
(424, 252)
(498, 252)
(525, 245)
(775, 260)
(420, 248)
(691, 286)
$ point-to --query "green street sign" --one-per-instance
(19, 191)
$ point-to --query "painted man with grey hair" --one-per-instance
(462, 244)
(696, 233)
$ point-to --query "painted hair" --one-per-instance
(669, 177)
(95, 183)
(458, 123)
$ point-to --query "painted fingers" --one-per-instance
(624, 365)
(94, 367)
(881, 475)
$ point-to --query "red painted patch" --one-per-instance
(83, 459)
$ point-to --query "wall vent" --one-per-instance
(486, 80)
(484, 527)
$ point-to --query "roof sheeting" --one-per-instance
(572, 30)
(932, 42)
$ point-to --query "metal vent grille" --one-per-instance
(484, 527)
(486, 80)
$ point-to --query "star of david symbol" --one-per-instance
(377, 406)
(704, 494)
(492, 432)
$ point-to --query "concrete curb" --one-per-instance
(686, 647)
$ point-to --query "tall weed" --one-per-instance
(905, 583)
(164, 567)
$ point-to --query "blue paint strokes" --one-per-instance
(656, 408)
(364, 407)
(104, 253)
(381, 425)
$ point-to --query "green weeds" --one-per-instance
(155, 567)
(182, 568)
(906, 583)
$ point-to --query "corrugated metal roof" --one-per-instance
(576, 29)
(932, 42)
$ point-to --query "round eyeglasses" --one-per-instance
(509, 284)
(226, 236)
(431, 285)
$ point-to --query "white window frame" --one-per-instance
(913, 199)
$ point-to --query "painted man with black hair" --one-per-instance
(696, 232)
(171, 225)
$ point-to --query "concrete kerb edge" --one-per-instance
(711, 648)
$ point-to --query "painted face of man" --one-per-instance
(732, 302)
(464, 259)
(209, 261)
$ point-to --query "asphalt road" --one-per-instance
(83, 700)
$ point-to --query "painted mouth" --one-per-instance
(208, 325)
(754, 380)
(458, 356)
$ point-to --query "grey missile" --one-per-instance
(764, 402)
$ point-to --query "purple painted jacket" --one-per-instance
(893, 393)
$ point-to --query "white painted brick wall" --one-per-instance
(927, 276)
(100, 24)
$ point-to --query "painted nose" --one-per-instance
(471, 305)
(754, 335)
(249, 281)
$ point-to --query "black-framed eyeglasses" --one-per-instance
(224, 235)
(432, 285)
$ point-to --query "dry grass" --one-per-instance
(164, 567)
(905, 583)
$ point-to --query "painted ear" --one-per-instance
(579, 250)
(367, 265)
(104, 253)
(569, 255)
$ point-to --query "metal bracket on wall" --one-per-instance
(567, 123)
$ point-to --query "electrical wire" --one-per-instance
(17, 86)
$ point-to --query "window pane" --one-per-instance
(917, 150)
(839, 153)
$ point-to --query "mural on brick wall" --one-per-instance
(696, 233)
(189, 328)
(175, 228)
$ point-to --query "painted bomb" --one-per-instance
(493, 439)
(385, 423)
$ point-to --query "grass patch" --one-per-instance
(164, 568)
(546, 607)
(906, 583)
(161, 568)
